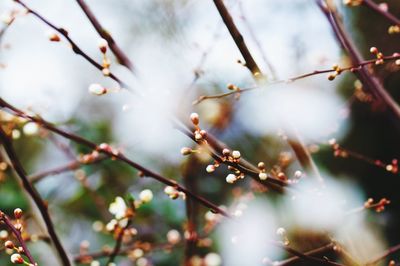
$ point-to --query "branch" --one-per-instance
(61, 169)
(301, 152)
(18, 235)
(74, 46)
(119, 54)
(385, 254)
(117, 155)
(238, 38)
(352, 69)
(118, 243)
(371, 82)
(42, 206)
(375, 7)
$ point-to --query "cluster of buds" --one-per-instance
(229, 156)
(89, 158)
(379, 55)
(262, 175)
(199, 134)
(378, 206)
(337, 72)
(104, 147)
(103, 45)
(174, 193)
(352, 2)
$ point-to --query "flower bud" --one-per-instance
(97, 89)
(17, 259)
(17, 213)
(195, 118)
(103, 44)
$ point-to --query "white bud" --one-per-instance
(210, 168)
(195, 118)
(231, 178)
(102, 44)
(262, 176)
(97, 89)
(173, 237)
(146, 195)
(30, 129)
(236, 154)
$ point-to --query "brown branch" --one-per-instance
(118, 243)
(113, 154)
(74, 46)
(305, 256)
(352, 69)
(119, 54)
(371, 82)
(61, 169)
(375, 7)
(385, 254)
(314, 252)
(238, 38)
(42, 206)
(301, 152)
(18, 235)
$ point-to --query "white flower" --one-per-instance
(30, 129)
(146, 195)
(118, 208)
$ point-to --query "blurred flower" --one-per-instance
(118, 208)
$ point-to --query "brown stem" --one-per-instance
(118, 243)
(353, 68)
(371, 82)
(375, 7)
(74, 46)
(315, 252)
(18, 235)
(238, 38)
(301, 152)
(385, 254)
(42, 206)
(119, 54)
(116, 155)
(61, 169)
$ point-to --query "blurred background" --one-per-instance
(181, 50)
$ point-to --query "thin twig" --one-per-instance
(368, 78)
(385, 254)
(35, 196)
(61, 169)
(74, 46)
(300, 150)
(18, 235)
(118, 243)
(353, 68)
(122, 58)
(375, 7)
(113, 154)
